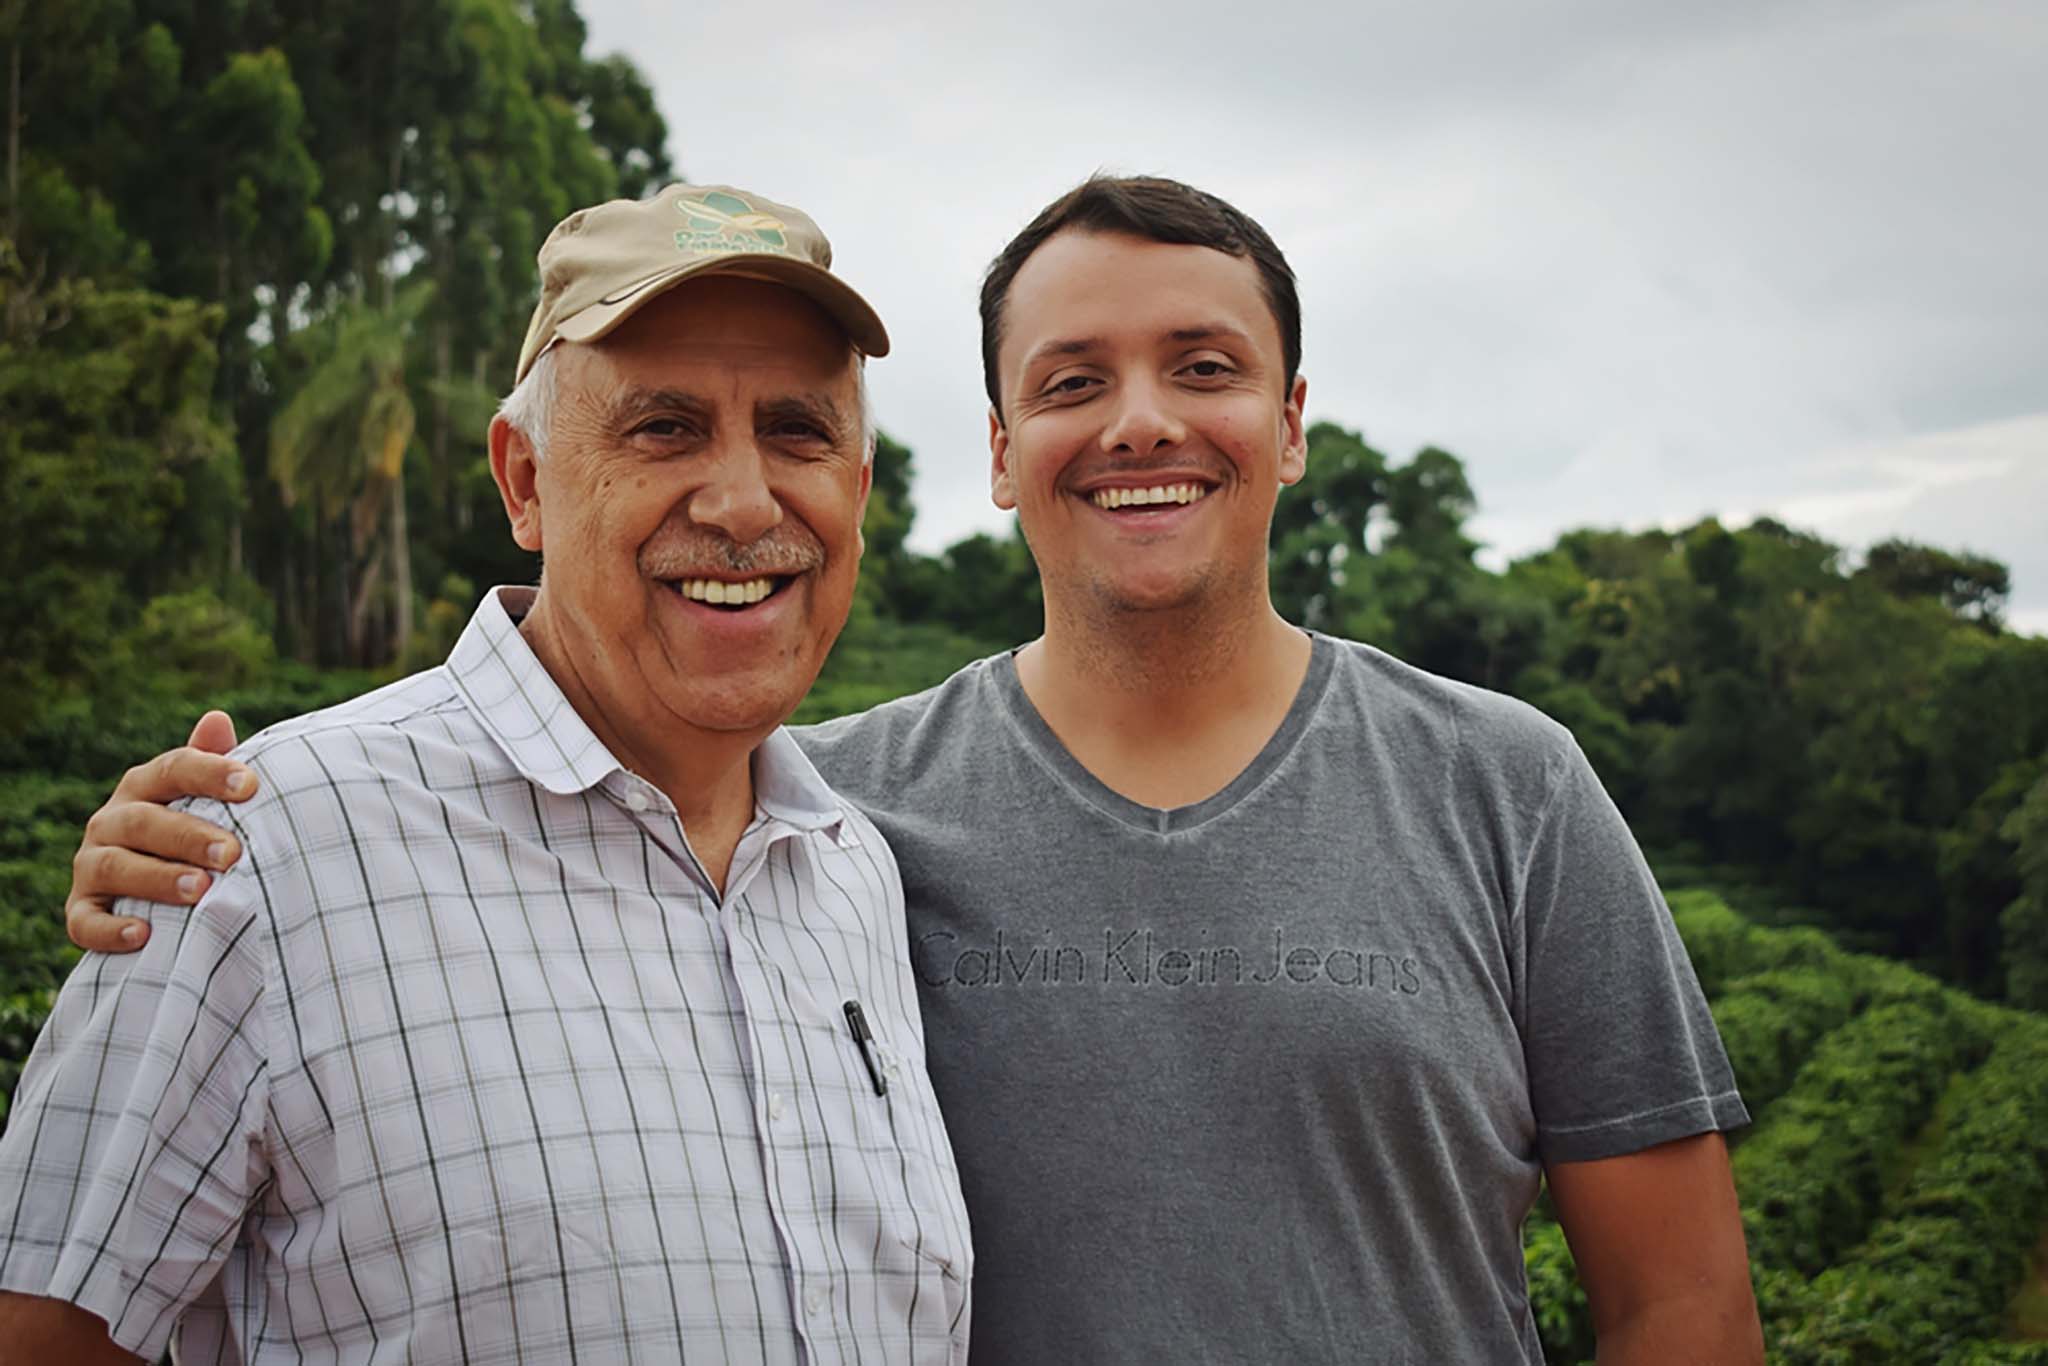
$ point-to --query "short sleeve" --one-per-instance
(1621, 1050)
(135, 1144)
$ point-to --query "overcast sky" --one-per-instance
(1634, 262)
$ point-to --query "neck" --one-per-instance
(1165, 707)
(708, 775)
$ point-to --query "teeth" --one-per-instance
(719, 592)
(1159, 493)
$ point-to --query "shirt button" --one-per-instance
(814, 1300)
(775, 1106)
(636, 799)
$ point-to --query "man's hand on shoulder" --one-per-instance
(135, 846)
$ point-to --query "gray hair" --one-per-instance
(530, 408)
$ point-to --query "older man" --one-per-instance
(1266, 978)
(556, 1009)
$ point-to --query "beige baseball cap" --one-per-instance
(602, 263)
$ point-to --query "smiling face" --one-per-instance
(1146, 424)
(699, 508)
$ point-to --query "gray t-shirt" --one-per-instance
(1271, 1077)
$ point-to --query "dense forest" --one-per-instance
(264, 267)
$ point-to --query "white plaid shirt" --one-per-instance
(465, 1060)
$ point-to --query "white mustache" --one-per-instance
(772, 555)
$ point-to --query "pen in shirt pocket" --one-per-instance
(864, 1039)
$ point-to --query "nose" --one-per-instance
(734, 497)
(1142, 421)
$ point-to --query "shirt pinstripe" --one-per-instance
(465, 1060)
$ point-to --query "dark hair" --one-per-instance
(1160, 210)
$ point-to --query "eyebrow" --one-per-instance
(635, 402)
(1075, 346)
(817, 407)
(1209, 332)
(1071, 347)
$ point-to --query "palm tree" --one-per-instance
(339, 445)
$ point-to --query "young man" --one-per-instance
(474, 1055)
(1264, 977)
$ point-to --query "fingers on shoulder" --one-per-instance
(90, 925)
(110, 872)
(158, 831)
(187, 772)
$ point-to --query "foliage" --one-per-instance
(1876, 1235)
(193, 641)
(1564, 1321)
(1999, 1354)
(377, 177)
(2025, 921)
(1770, 1022)
(1323, 522)
(1855, 737)
(340, 444)
(985, 587)
(106, 436)
(1813, 1175)
(1725, 947)
(1936, 1273)
(1970, 586)
(1840, 1057)
(21, 1019)
(879, 659)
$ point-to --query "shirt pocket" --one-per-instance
(932, 1221)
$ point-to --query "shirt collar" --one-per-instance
(515, 699)
(788, 787)
(518, 702)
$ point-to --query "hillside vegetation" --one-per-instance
(1895, 1181)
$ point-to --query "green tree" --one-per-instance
(1870, 678)
(106, 432)
(984, 587)
(291, 162)
(2025, 922)
(1978, 863)
(339, 445)
(886, 560)
(1323, 522)
(1973, 587)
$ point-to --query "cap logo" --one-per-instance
(722, 224)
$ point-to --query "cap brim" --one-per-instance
(863, 327)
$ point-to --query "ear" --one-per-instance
(517, 473)
(860, 511)
(1294, 445)
(1002, 488)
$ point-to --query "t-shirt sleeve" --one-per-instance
(135, 1144)
(1621, 1050)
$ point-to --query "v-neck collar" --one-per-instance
(1038, 737)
